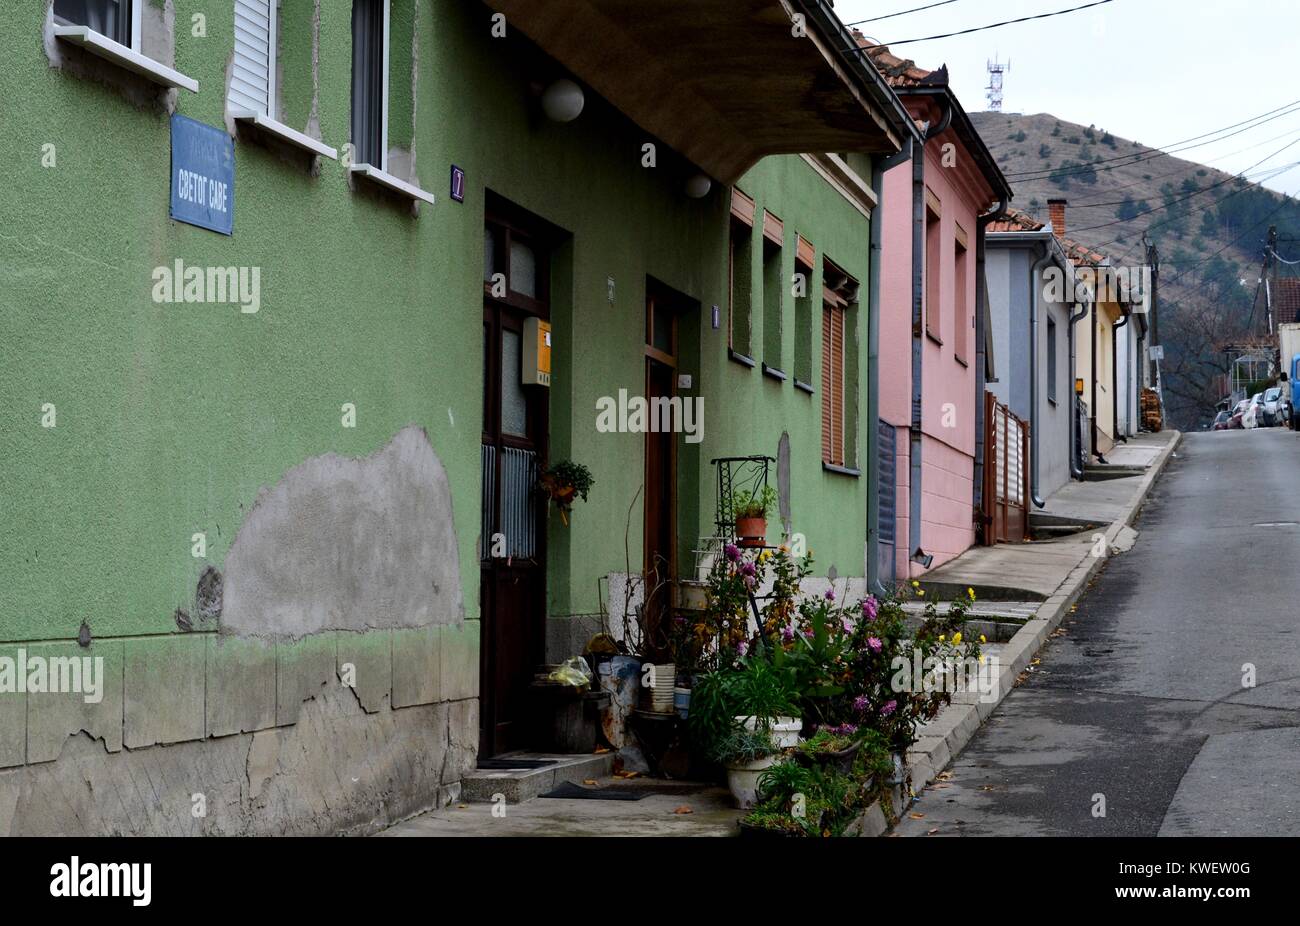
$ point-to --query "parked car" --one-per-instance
(1275, 410)
(1252, 417)
(1238, 412)
(1221, 421)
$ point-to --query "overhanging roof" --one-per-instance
(724, 82)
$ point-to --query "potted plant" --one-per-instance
(564, 481)
(742, 716)
(750, 511)
(747, 754)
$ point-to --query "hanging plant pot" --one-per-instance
(564, 482)
(751, 532)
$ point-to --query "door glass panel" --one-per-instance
(514, 402)
(489, 254)
(523, 269)
(662, 333)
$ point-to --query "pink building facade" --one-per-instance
(940, 207)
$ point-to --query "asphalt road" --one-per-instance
(1139, 701)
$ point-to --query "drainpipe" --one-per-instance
(1092, 406)
(1114, 373)
(1035, 283)
(981, 307)
(918, 327)
(879, 167)
(1085, 310)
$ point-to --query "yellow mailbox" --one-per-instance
(537, 352)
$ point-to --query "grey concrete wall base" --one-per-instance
(338, 770)
(942, 740)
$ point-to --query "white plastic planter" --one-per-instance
(785, 730)
(742, 779)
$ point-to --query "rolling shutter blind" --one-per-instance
(250, 77)
(833, 384)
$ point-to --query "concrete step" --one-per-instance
(1111, 471)
(519, 785)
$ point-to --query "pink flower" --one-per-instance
(861, 703)
(875, 644)
(847, 625)
(889, 708)
(787, 634)
(870, 607)
(732, 551)
(742, 648)
(830, 594)
(749, 569)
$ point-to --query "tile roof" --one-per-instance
(1016, 221)
(900, 72)
(1286, 301)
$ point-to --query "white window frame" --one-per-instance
(130, 58)
(267, 121)
(379, 173)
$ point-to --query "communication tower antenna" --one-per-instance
(997, 72)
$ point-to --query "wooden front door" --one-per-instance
(512, 560)
(660, 467)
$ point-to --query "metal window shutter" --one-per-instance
(250, 74)
(888, 463)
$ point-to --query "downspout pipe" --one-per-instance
(1035, 299)
(879, 167)
(1114, 374)
(1085, 309)
(918, 327)
(981, 360)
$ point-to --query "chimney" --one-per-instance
(1056, 215)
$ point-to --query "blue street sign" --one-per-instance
(203, 175)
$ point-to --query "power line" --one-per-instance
(1152, 153)
(876, 19)
(1183, 199)
(1184, 141)
(1286, 199)
(1183, 170)
(1009, 22)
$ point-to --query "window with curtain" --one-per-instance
(110, 18)
(369, 39)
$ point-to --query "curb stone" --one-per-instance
(943, 739)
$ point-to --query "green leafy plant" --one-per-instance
(753, 504)
(756, 687)
(563, 481)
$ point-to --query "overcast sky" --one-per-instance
(1157, 71)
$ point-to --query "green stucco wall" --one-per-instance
(171, 418)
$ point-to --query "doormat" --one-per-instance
(577, 792)
(514, 764)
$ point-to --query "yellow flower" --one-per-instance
(971, 593)
(981, 660)
(942, 637)
(983, 639)
(956, 638)
(920, 592)
(915, 584)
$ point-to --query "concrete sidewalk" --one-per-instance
(1055, 572)
(1036, 570)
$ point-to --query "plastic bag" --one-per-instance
(573, 671)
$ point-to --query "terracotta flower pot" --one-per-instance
(751, 532)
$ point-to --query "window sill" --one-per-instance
(804, 387)
(962, 360)
(841, 470)
(934, 337)
(375, 175)
(284, 133)
(103, 47)
(741, 359)
(774, 372)
(1052, 401)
